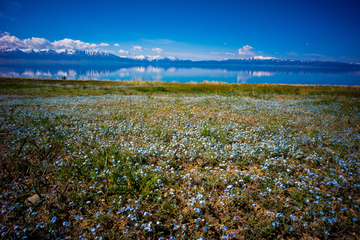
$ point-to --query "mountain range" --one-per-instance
(71, 56)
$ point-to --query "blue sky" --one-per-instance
(196, 30)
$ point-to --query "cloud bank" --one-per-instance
(136, 48)
(159, 50)
(8, 42)
(121, 51)
(75, 44)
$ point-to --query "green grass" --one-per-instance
(250, 89)
(56, 87)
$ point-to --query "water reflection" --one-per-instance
(243, 76)
(188, 74)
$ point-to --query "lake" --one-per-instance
(284, 75)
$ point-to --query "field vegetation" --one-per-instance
(155, 160)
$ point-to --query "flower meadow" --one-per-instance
(179, 166)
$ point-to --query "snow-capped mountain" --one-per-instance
(72, 56)
(56, 51)
(261, 58)
(55, 54)
(152, 58)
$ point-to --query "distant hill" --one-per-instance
(71, 56)
(63, 54)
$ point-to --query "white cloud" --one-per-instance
(8, 41)
(103, 45)
(74, 44)
(136, 48)
(246, 51)
(123, 52)
(230, 53)
(159, 50)
(37, 43)
(117, 45)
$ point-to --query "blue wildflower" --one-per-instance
(41, 225)
(293, 218)
(66, 224)
(78, 217)
(53, 220)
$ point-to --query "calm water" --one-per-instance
(230, 75)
